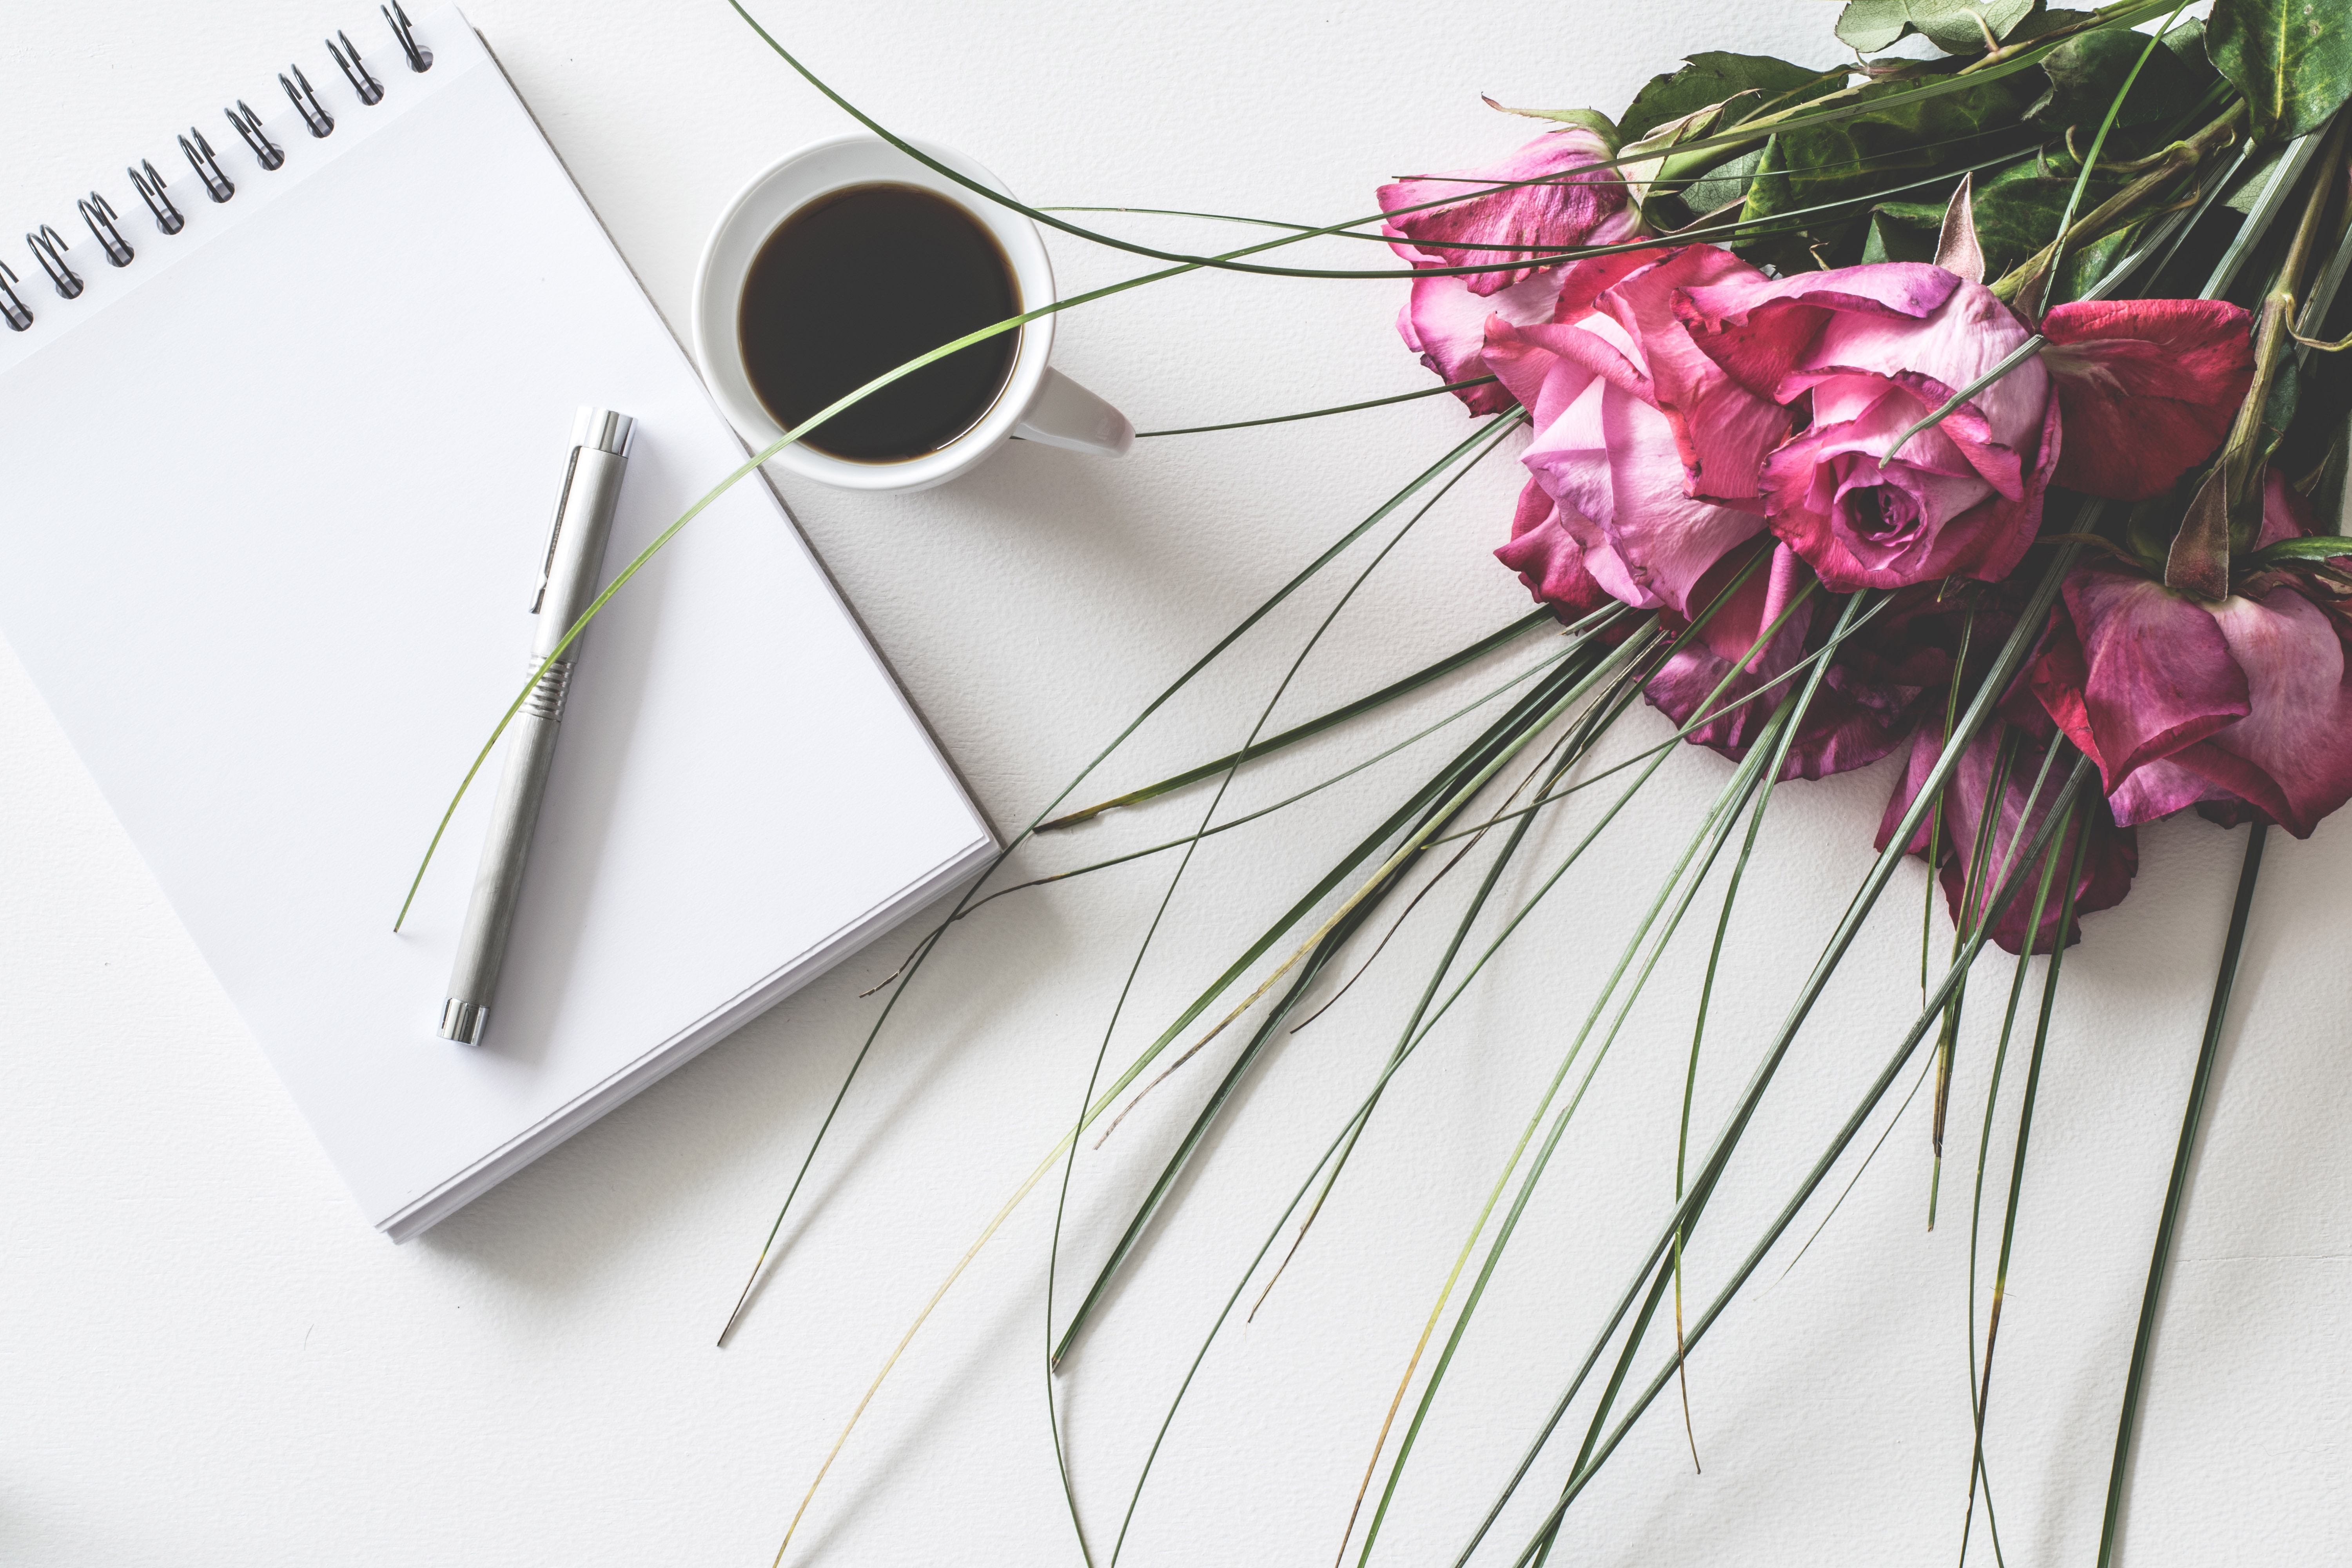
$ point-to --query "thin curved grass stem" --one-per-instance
(1750, 130)
(1241, 629)
(2176, 1189)
(1707, 713)
(1335, 717)
(1737, 788)
(1563, 756)
(1415, 1037)
(1287, 801)
(2076, 781)
(1432, 799)
(1978, 879)
(1322, 413)
(1143, 949)
(1772, 747)
(1979, 711)
(1980, 1395)
(1862, 1170)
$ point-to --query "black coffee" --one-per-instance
(860, 282)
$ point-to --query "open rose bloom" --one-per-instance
(1734, 452)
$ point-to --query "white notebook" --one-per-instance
(272, 501)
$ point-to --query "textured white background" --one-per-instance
(205, 1357)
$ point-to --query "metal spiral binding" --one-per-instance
(306, 103)
(48, 246)
(420, 58)
(49, 249)
(208, 166)
(248, 125)
(150, 185)
(355, 71)
(12, 309)
(100, 214)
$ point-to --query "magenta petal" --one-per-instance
(1934, 526)
(1588, 346)
(1959, 341)
(1720, 429)
(1728, 642)
(2157, 673)
(1446, 324)
(2111, 859)
(1667, 538)
(1548, 560)
(1759, 329)
(2149, 387)
(1583, 282)
(1558, 214)
(2290, 756)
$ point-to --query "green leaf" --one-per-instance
(1592, 119)
(2317, 547)
(1709, 79)
(1896, 233)
(2018, 209)
(1722, 186)
(1950, 24)
(2086, 72)
(2087, 263)
(2292, 59)
(1909, 139)
(2043, 22)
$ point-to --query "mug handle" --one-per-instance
(1067, 415)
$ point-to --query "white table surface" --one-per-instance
(207, 1358)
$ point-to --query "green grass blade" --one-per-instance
(1917, 1031)
(1797, 118)
(1979, 711)
(2176, 1189)
(913, 966)
(1322, 413)
(1313, 726)
(1982, 1394)
(1532, 711)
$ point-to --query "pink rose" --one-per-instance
(1647, 452)
(1874, 349)
(1444, 320)
(2143, 391)
(2241, 708)
(2111, 860)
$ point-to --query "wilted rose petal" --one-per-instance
(2241, 708)
(1757, 328)
(1615, 447)
(1726, 652)
(2136, 672)
(1446, 324)
(2291, 757)
(1548, 560)
(2148, 388)
(1585, 205)
(2111, 859)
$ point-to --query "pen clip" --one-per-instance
(555, 529)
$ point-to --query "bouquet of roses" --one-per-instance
(1967, 402)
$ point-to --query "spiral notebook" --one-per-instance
(277, 487)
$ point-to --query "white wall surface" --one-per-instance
(207, 1358)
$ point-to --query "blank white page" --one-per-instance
(275, 499)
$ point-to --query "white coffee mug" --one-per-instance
(1036, 402)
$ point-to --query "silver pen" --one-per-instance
(567, 584)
